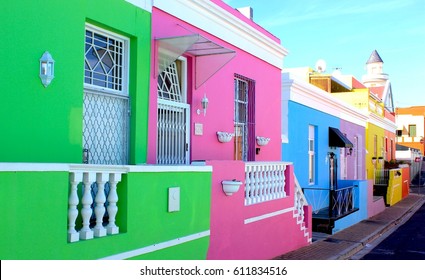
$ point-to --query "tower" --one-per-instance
(374, 77)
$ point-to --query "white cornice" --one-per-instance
(311, 96)
(384, 123)
(143, 4)
(209, 17)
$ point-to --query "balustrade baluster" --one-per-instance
(280, 181)
(247, 186)
(74, 178)
(273, 181)
(87, 200)
(283, 180)
(257, 185)
(261, 187)
(99, 210)
(252, 193)
(114, 179)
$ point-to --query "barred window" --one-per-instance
(104, 60)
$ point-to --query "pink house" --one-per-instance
(215, 94)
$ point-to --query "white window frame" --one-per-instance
(104, 92)
(311, 155)
(125, 62)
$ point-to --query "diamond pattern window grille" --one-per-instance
(104, 61)
(169, 84)
(105, 130)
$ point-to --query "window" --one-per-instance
(104, 61)
(375, 146)
(412, 130)
(399, 132)
(106, 102)
(311, 154)
(244, 140)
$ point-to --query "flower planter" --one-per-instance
(262, 141)
(230, 186)
(224, 137)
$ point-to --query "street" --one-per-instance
(406, 242)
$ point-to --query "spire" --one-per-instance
(374, 57)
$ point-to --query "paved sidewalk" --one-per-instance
(344, 244)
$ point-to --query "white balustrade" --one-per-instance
(300, 200)
(92, 183)
(264, 181)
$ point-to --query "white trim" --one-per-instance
(158, 246)
(269, 215)
(382, 122)
(33, 167)
(169, 168)
(213, 19)
(301, 92)
(63, 167)
(142, 4)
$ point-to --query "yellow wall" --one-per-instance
(394, 192)
(359, 98)
(371, 131)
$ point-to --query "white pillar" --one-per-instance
(114, 179)
(74, 178)
(99, 210)
(86, 212)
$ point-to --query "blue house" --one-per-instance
(323, 137)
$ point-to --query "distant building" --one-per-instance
(411, 127)
(378, 81)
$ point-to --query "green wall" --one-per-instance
(45, 124)
(35, 205)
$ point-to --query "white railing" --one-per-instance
(173, 132)
(300, 200)
(264, 181)
(98, 208)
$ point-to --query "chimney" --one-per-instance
(247, 11)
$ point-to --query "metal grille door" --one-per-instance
(105, 128)
(173, 118)
(172, 132)
(244, 120)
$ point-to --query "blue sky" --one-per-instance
(344, 33)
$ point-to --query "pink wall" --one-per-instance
(373, 206)
(231, 238)
(220, 92)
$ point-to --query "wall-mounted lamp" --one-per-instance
(47, 68)
(350, 152)
(204, 103)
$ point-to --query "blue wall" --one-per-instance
(296, 150)
(360, 201)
